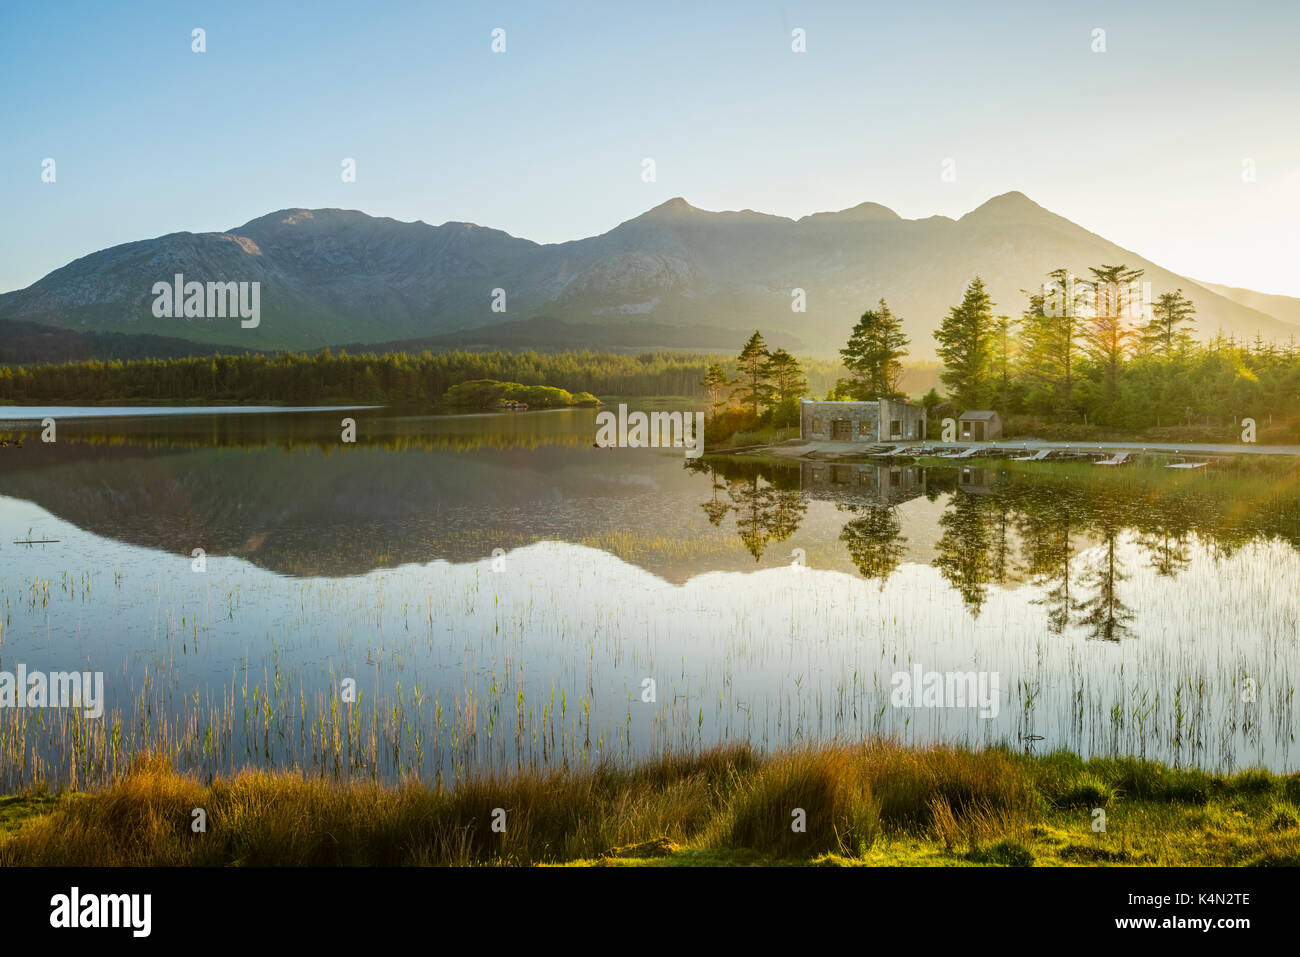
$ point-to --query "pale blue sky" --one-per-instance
(1143, 144)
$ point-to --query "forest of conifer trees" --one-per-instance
(1082, 353)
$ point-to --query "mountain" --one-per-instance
(33, 342)
(673, 277)
(545, 334)
(1286, 308)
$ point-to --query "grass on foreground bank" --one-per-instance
(872, 803)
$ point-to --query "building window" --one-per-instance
(817, 425)
(895, 429)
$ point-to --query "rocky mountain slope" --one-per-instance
(330, 277)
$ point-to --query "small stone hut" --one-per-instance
(883, 420)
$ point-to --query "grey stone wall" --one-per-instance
(902, 421)
(881, 421)
(817, 418)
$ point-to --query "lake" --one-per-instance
(456, 595)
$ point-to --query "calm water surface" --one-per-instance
(499, 591)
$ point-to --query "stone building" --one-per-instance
(883, 420)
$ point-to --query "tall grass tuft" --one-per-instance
(806, 802)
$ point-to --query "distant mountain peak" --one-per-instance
(280, 218)
(677, 206)
(678, 209)
(861, 213)
(1014, 206)
(326, 218)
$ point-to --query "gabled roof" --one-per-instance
(979, 414)
(841, 402)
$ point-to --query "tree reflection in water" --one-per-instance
(1001, 525)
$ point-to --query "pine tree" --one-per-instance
(966, 347)
(873, 355)
(786, 376)
(1163, 334)
(1052, 342)
(1109, 335)
(1003, 350)
(755, 391)
(715, 380)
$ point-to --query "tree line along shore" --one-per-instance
(1096, 358)
(1087, 358)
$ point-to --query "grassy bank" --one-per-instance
(1143, 467)
(870, 803)
(1283, 430)
(759, 435)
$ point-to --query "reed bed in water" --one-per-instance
(461, 670)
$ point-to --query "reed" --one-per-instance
(873, 801)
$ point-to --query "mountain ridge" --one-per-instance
(332, 276)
